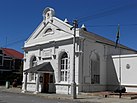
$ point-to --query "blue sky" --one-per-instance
(19, 18)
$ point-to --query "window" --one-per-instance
(48, 32)
(64, 67)
(95, 69)
(1, 58)
(7, 64)
(33, 64)
(1, 52)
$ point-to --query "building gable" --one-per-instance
(50, 29)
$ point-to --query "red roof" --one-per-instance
(12, 53)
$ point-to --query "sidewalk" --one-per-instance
(84, 97)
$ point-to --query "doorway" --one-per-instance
(46, 80)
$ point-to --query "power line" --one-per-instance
(104, 12)
(105, 25)
(108, 12)
(13, 43)
(111, 25)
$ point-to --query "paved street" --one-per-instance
(14, 95)
(6, 97)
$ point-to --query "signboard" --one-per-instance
(47, 53)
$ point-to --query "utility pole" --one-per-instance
(73, 84)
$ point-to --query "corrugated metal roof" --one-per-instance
(12, 53)
(44, 67)
(103, 40)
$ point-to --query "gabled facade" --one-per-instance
(48, 58)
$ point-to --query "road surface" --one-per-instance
(6, 97)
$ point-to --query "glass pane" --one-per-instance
(62, 67)
(66, 61)
(61, 61)
(62, 75)
(0, 60)
(1, 52)
(65, 75)
(66, 66)
(7, 64)
(31, 76)
(64, 55)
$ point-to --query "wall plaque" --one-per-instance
(47, 53)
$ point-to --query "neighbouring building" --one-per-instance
(48, 58)
(11, 65)
(126, 69)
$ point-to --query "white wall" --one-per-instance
(128, 70)
(112, 76)
(62, 47)
(61, 36)
(89, 47)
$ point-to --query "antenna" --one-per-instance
(6, 41)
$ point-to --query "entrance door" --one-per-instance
(45, 83)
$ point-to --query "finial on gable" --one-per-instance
(48, 13)
(66, 20)
(83, 27)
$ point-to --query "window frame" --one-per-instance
(95, 75)
(95, 69)
(2, 58)
(33, 63)
(64, 68)
(48, 31)
(1, 63)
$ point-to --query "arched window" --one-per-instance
(48, 30)
(33, 63)
(95, 68)
(64, 67)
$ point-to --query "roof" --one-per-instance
(102, 40)
(124, 56)
(12, 53)
(65, 27)
(44, 67)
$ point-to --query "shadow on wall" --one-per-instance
(112, 77)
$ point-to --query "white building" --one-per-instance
(128, 67)
(48, 58)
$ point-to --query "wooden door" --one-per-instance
(46, 82)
